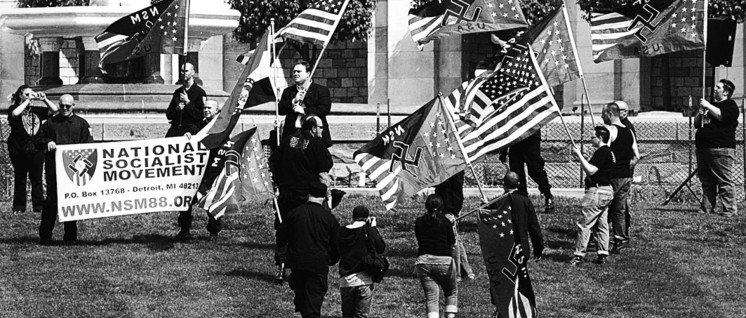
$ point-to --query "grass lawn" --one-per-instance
(681, 264)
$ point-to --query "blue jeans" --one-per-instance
(715, 171)
(433, 277)
(594, 219)
(356, 301)
(619, 209)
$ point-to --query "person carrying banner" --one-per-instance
(312, 235)
(186, 109)
(624, 146)
(452, 193)
(715, 139)
(435, 265)
(598, 196)
(528, 152)
(355, 283)
(525, 221)
(65, 128)
(25, 120)
(305, 98)
(301, 159)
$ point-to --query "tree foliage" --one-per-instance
(51, 3)
(717, 8)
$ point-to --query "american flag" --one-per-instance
(487, 94)
(505, 259)
(438, 18)
(516, 117)
(156, 29)
(254, 175)
(223, 171)
(420, 151)
(555, 48)
(648, 28)
(317, 23)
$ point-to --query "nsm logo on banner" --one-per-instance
(80, 164)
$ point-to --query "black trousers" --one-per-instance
(31, 165)
(310, 289)
(185, 220)
(49, 213)
(528, 152)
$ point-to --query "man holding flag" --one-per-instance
(305, 98)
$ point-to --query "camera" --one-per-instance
(36, 95)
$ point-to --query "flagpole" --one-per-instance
(336, 23)
(484, 204)
(186, 33)
(461, 145)
(704, 51)
(273, 49)
(577, 61)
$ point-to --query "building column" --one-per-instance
(89, 71)
(152, 66)
(50, 61)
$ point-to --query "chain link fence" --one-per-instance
(666, 146)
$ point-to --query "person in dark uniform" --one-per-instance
(624, 115)
(524, 217)
(25, 120)
(626, 153)
(305, 98)
(312, 235)
(186, 108)
(65, 128)
(528, 152)
(301, 160)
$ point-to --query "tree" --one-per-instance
(356, 23)
(717, 8)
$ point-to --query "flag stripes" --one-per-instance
(315, 24)
(216, 201)
(420, 28)
(386, 182)
(607, 29)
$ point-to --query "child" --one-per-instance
(598, 196)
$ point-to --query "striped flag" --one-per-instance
(254, 174)
(517, 116)
(484, 95)
(510, 286)
(648, 28)
(437, 18)
(156, 29)
(226, 187)
(317, 23)
(555, 48)
(420, 151)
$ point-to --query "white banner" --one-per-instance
(99, 180)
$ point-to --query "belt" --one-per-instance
(598, 185)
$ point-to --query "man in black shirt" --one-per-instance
(301, 159)
(598, 195)
(525, 221)
(305, 98)
(624, 115)
(185, 111)
(63, 129)
(716, 125)
(528, 152)
(312, 235)
(624, 146)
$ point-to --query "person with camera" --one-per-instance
(435, 265)
(355, 281)
(598, 196)
(65, 128)
(312, 234)
(715, 139)
(25, 118)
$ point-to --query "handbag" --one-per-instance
(376, 264)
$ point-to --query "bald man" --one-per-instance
(186, 109)
(524, 216)
(65, 128)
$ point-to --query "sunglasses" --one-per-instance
(66, 106)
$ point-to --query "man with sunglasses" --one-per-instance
(186, 109)
(65, 128)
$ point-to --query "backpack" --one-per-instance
(375, 264)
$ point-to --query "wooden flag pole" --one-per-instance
(588, 98)
(461, 145)
(273, 51)
(577, 61)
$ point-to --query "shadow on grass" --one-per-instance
(250, 274)
(261, 246)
